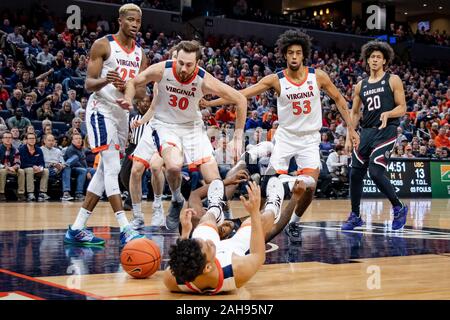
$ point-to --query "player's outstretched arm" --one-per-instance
(399, 98)
(245, 267)
(325, 83)
(150, 112)
(355, 116)
(152, 73)
(141, 91)
(263, 85)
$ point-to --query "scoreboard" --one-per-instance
(410, 178)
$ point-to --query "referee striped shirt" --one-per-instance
(136, 133)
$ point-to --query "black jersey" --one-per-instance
(376, 98)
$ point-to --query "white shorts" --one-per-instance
(146, 147)
(106, 124)
(192, 140)
(238, 244)
(304, 147)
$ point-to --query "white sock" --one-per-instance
(82, 218)
(294, 218)
(137, 211)
(176, 195)
(217, 214)
(158, 200)
(122, 219)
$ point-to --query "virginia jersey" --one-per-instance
(299, 107)
(177, 102)
(376, 98)
(125, 62)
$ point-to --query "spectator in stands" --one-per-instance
(415, 145)
(53, 158)
(29, 108)
(253, 122)
(431, 147)
(325, 145)
(32, 161)
(16, 142)
(224, 156)
(18, 121)
(45, 112)
(223, 114)
(4, 95)
(55, 102)
(271, 132)
(45, 59)
(76, 165)
(75, 128)
(15, 101)
(41, 93)
(10, 165)
(408, 152)
(66, 114)
(83, 105)
(75, 105)
(337, 163)
(400, 136)
(31, 52)
(442, 139)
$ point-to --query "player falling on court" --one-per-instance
(114, 60)
(383, 101)
(179, 132)
(299, 115)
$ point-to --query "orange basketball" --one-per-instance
(140, 258)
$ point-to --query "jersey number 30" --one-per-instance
(373, 103)
(183, 103)
(297, 108)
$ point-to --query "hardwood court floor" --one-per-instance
(370, 263)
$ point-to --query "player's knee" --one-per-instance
(376, 171)
(137, 169)
(173, 170)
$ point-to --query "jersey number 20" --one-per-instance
(373, 103)
(297, 108)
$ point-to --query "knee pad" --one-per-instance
(111, 168)
(97, 183)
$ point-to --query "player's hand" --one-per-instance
(124, 104)
(186, 220)
(298, 189)
(384, 118)
(113, 76)
(354, 138)
(136, 123)
(203, 103)
(240, 176)
(253, 203)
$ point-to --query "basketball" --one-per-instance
(141, 258)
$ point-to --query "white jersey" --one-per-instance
(126, 63)
(299, 107)
(177, 102)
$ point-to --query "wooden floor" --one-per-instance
(406, 273)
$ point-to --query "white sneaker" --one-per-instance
(216, 192)
(275, 196)
(158, 217)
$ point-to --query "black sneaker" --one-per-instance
(294, 233)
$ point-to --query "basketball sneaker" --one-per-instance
(400, 215)
(158, 218)
(128, 234)
(352, 222)
(173, 218)
(82, 237)
(275, 196)
(294, 233)
(216, 193)
(138, 224)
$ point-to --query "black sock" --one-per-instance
(377, 173)
(356, 187)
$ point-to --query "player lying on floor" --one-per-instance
(202, 263)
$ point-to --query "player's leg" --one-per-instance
(157, 180)
(377, 172)
(358, 169)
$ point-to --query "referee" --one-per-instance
(134, 137)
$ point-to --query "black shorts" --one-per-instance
(375, 146)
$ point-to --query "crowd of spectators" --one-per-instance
(43, 101)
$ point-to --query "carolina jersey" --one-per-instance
(177, 102)
(126, 63)
(299, 107)
(376, 98)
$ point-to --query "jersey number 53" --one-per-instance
(297, 108)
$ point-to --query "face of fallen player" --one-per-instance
(186, 64)
(130, 23)
(209, 250)
(294, 57)
(376, 61)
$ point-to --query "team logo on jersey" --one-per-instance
(193, 89)
(383, 82)
(310, 88)
(137, 59)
